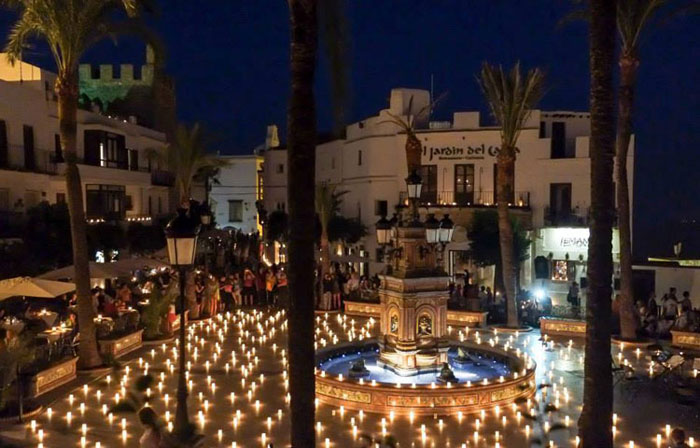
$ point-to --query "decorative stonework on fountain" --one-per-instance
(413, 317)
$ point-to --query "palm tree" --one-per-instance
(595, 427)
(70, 28)
(633, 16)
(328, 202)
(408, 124)
(510, 98)
(301, 156)
(187, 159)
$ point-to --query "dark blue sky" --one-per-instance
(230, 62)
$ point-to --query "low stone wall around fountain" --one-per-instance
(456, 318)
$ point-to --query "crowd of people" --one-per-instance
(670, 313)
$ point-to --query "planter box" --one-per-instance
(176, 324)
(53, 377)
(467, 318)
(364, 309)
(685, 339)
(120, 347)
(563, 327)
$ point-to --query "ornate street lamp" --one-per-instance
(181, 235)
(414, 183)
(432, 229)
(447, 228)
(384, 229)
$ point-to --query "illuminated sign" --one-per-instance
(461, 153)
(571, 239)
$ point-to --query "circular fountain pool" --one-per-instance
(477, 368)
(484, 377)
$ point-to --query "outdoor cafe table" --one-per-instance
(54, 334)
(49, 317)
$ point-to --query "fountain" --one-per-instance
(414, 366)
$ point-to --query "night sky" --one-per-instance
(230, 62)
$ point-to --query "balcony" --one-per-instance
(566, 218)
(472, 199)
(162, 178)
(43, 161)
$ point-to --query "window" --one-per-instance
(428, 174)
(160, 205)
(464, 184)
(105, 201)
(279, 169)
(150, 206)
(57, 149)
(133, 159)
(28, 137)
(4, 148)
(359, 157)
(380, 208)
(543, 129)
(559, 202)
(4, 199)
(60, 198)
(128, 203)
(563, 271)
(235, 210)
(105, 149)
(560, 149)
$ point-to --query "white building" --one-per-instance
(552, 180)
(235, 194)
(119, 182)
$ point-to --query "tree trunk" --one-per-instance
(628, 316)
(67, 91)
(504, 186)
(595, 421)
(325, 251)
(301, 137)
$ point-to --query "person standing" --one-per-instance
(282, 291)
(270, 284)
(573, 299)
(248, 287)
(151, 437)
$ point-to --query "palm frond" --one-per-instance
(510, 97)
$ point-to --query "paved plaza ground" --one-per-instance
(239, 395)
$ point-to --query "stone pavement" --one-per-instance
(239, 397)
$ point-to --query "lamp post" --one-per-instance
(181, 235)
(414, 185)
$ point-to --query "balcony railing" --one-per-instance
(43, 161)
(162, 178)
(472, 199)
(573, 218)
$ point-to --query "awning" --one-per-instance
(33, 287)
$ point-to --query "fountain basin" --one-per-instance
(506, 379)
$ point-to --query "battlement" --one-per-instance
(106, 73)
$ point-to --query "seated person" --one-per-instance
(110, 308)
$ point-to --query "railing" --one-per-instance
(576, 217)
(162, 178)
(43, 161)
(472, 199)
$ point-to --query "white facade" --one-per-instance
(552, 170)
(233, 198)
(31, 168)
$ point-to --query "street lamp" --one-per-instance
(383, 228)
(447, 228)
(432, 229)
(181, 235)
(414, 184)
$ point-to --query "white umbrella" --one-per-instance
(33, 287)
(97, 270)
(121, 268)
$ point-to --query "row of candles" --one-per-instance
(255, 332)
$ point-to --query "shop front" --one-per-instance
(560, 258)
